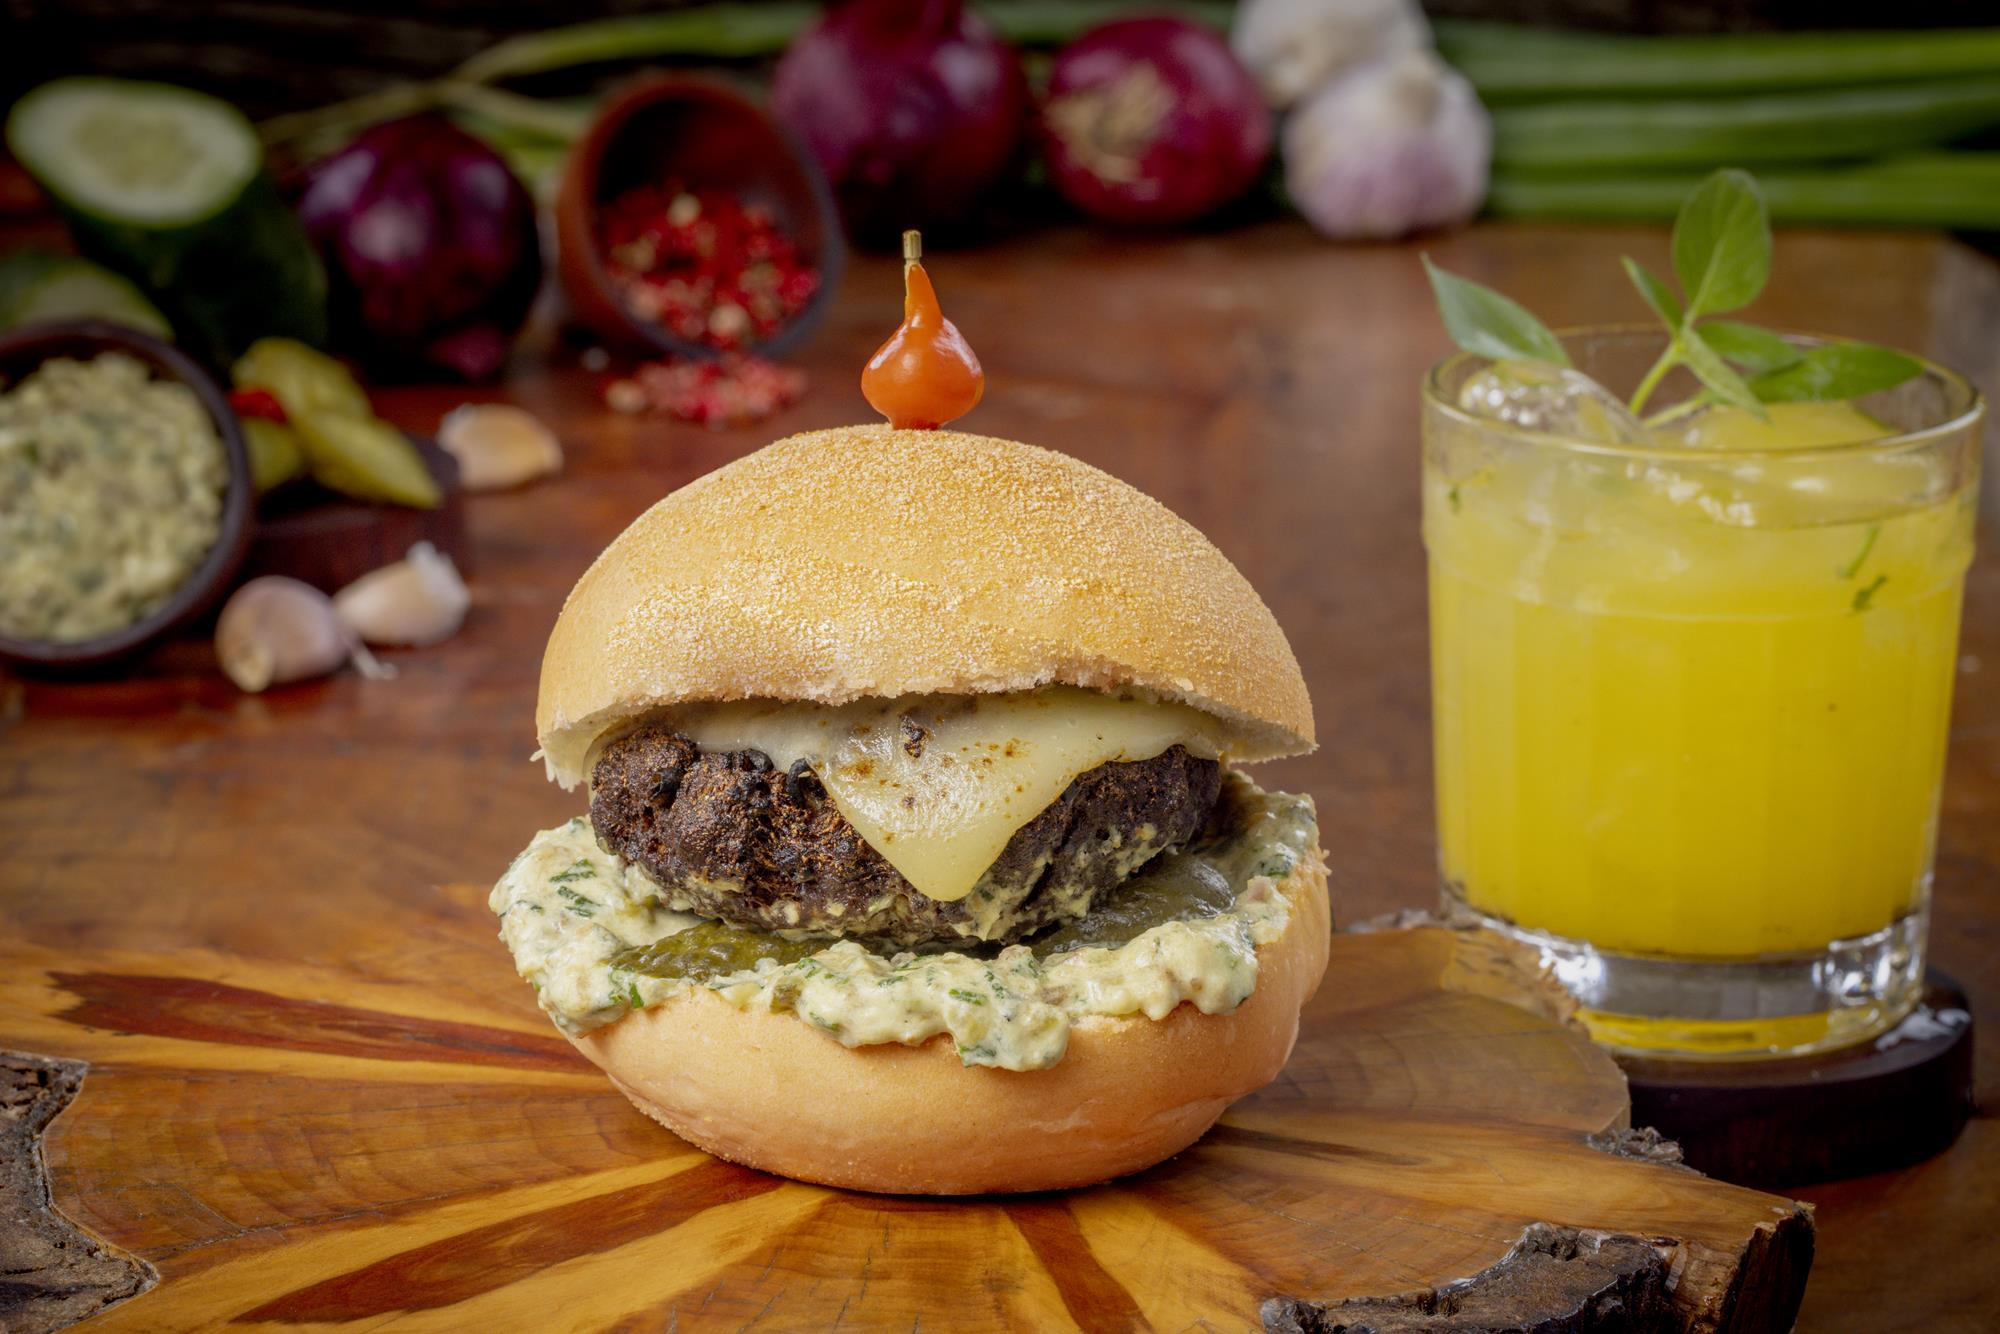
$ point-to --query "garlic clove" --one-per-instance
(418, 600)
(1394, 146)
(275, 629)
(498, 445)
(1292, 47)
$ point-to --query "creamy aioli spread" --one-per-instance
(111, 492)
(596, 941)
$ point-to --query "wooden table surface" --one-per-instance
(1261, 383)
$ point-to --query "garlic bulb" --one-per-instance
(1293, 46)
(418, 600)
(1395, 146)
(275, 629)
(498, 445)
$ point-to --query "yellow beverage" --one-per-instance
(1692, 702)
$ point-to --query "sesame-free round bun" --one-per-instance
(871, 562)
(770, 1091)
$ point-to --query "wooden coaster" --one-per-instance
(1777, 1124)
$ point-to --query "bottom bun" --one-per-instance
(771, 1092)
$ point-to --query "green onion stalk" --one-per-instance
(1812, 126)
(1955, 190)
(1511, 63)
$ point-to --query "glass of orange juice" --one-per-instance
(1691, 693)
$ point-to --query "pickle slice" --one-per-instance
(1177, 887)
(276, 456)
(367, 458)
(346, 446)
(712, 950)
(305, 381)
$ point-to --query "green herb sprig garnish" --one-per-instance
(1722, 260)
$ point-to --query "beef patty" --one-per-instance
(731, 837)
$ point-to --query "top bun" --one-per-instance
(870, 562)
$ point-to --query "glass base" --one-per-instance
(1769, 1005)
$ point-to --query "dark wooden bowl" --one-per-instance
(25, 349)
(329, 540)
(705, 135)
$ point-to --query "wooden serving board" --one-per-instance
(407, 1144)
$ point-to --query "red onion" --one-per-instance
(1153, 120)
(430, 248)
(914, 108)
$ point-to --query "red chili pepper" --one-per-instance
(251, 401)
(705, 266)
(925, 374)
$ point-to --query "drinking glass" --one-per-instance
(1691, 705)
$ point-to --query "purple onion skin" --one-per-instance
(431, 251)
(914, 109)
(1153, 122)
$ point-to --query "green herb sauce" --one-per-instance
(1184, 929)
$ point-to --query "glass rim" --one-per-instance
(1437, 400)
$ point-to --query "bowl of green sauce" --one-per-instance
(125, 493)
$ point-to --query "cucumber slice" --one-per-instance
(146, 154)
(167, 187)
(37, 286)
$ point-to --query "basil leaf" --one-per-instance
(1722, 244)
(1714, 373)
(1482, 321)
(1755, 350)
(1658, 295)
(1835, 372)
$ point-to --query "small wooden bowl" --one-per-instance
(329, 540)
(704, 135)
(24, 350)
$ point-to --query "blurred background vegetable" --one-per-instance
(276, 456)
(1152, 120)
(1395, 145)
(914, 108)
(38, 286)
(1844, 127)
(1945, 189)
(431, 246)
(346, 447)
(1510, 62)
(167, 186)
(1585, 124)
(1295, 46)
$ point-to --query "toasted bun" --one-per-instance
(769, 1091)
(870, 562)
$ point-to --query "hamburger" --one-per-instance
(917, 856)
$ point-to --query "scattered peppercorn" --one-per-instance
(705, 266)
(732, 391)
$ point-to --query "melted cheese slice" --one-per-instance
(939, 784)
